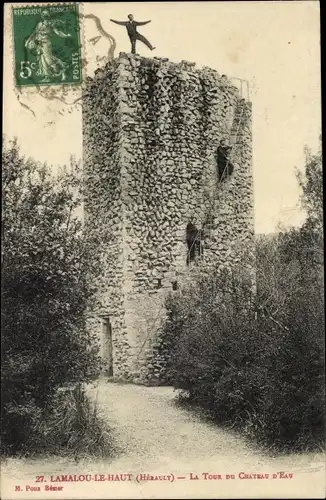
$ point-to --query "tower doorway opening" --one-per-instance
(194, 243)
(107, 347)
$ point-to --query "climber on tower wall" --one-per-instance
(225, 167)
(133, 34)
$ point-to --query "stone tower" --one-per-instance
(151, 129)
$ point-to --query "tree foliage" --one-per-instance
(46, 287)
(311, 183)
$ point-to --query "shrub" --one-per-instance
(252, 361)
(46, 287)
(73, 427)
(255, 361)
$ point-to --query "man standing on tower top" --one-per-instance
(131, 26)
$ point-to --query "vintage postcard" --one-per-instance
(162, 251)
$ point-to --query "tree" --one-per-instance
(305, 244)
(47, 277)
(311, 183)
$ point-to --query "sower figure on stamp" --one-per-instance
(133, 34)
(39, 41)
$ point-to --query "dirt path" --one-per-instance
(153, 430)
(157, 437)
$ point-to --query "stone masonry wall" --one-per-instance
(151, 131)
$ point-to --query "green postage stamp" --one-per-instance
(47, 44)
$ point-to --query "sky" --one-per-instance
(273, 45)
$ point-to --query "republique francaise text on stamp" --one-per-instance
(47, 44)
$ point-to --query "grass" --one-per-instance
(74, 428)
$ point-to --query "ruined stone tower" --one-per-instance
(151, 129)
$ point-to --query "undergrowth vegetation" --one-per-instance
(251, 353)
(47, 285)
(74, 427)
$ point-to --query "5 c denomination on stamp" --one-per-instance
(47, 47)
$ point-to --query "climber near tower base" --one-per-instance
(133, 34)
